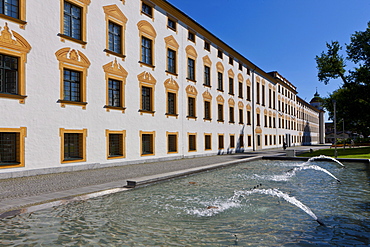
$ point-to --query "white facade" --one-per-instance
(43, 117)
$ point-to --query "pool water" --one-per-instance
(216, 208)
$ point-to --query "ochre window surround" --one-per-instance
(114, 70)
(82, 135)
(20, 135)
(115, 15)
(172, 148)
(83, 5)
(172, 44)
(122, 144)
(192, 142)
(171, 86)
(192, 92)
(147, 80)
(21, 20)
(17, 47)
(73, 60)
(207, 141)
(146, 30)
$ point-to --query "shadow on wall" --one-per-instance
(307, 140)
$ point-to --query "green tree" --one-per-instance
(353, 97)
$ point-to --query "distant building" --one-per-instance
(90, 84)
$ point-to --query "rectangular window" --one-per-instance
(171, 103)
(207, 46)
(8, 74)
(10, 8)
(9, 148)
(258, 93)
(219, 54)
(207, 110)
(240, 89)
(114, 93)
(115, 145)
(241, 116)
(147, 144)
(207, 142)
(172, 143)
(73, 146)
(192, 143)
(270, 98)
(265, 121)
(231, 61)
(72, 20)
(248, 71)
(220, 81)
(249, 117)
(231, 114)
(231, 86)
(232, 141)
(171, 24)
(171, 61)
(114, 37)
(258, 119)
(249, 93)
(220, 141)
(263, 95)
(191, 69)
(241, 140)
(240, 66)
(146, 9)
(207, 75)
(249, 141)
(220, 115)
(146, 51)
(191, 107)
(72, 85)
(191, 36)
(146, 99)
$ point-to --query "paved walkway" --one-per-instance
(19, 193)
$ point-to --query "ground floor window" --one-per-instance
(73, 145)
(220, 141)
(232, 141)
(12, 147)
(192, 142)
(147, 143)
(241, 140)
(207, 142)
(172, 143)
(116, 144)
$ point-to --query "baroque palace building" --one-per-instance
(96, 83)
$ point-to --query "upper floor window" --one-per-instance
(114, 93)
(10, 8)
(191, 69)
(191, 36)
(146, 9)
(171, 24)
(72, 85)
(72, 20)
(231, 61)
(207, 46)
(220, 81)
(146, 50)
(8, 74)
(115, 37)
(207, 75)
(171, 61)
(219, 54)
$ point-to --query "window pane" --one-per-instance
(172, 143)
(72, 146)
(10, 8)
(147, 145)
(8, 148)
(72, 85)
(146, 99)
(171, 61)
(114, 93)
(171, 103)
(8, 74)
(114, 38)
(115, 145)
(146, 51)
(72, 20)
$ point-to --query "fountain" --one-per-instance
(324, 157)
(227, 206)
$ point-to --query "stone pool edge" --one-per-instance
(31, 205)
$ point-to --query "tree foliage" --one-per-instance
(353, 97)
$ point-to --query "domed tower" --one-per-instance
(316, 102)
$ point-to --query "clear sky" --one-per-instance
(282, 35)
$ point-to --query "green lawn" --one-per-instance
(355, 153)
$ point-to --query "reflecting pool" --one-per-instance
(226, 207)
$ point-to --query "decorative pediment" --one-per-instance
(258, 79)
(69, 55)
(249, 107)
(220, 67)
(147, 78)
(220, 99)
(115, 68)
(207, 95)
(171, 84)
(258, 130)
(115, 12)
(146, 28)
(207, 61)
(191, 90)
(191, 51)
(171, 41)
(263, 82)
(265, 112)
(13, 41)
(231, 101)
(249, 82)
(258, 110)
(240, 104)
(270, 113)
(231, 73)
(240, 77)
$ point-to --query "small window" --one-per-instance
(248, 71)
(115, 37)
(207, 142)
(146, 9)
(231, 61)
(240, 66)
(72, 20)
(146, 51)
(191, 36)
(220, 141)
(171, 24)
(147, 144)
(232, 141)
(191, 107)
(207, 46)
(191, 69)
(192, 143)
(12, 147)
(171, 61)
(207, 75)
(219, 54)
(172, 143)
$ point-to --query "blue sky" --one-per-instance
(282, 35)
